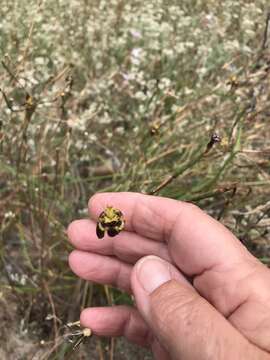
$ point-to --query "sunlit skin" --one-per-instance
(223, 313)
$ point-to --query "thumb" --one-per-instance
(184, 323)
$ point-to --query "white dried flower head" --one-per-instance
(168, 52)
(9, 215)
(188, 91)
(164, 83)
(136, 56)
(250, 33)
(23, 279)
(135, 33)
(92, 138)
(120, 130)
(105, 119)
(180, 48)
(129, 76)
(139, 95)
(232, 45)
(40, 60)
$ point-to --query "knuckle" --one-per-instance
(187, 210)
(191, 207)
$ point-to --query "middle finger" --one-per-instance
(127, 246)
(101, 269)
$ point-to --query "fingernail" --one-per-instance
(152, 272)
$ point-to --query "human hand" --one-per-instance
(221, 312)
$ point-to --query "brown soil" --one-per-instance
(18, 343)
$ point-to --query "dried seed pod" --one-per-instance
(111, 220)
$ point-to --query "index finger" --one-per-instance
(146, 215)
(196, 241)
